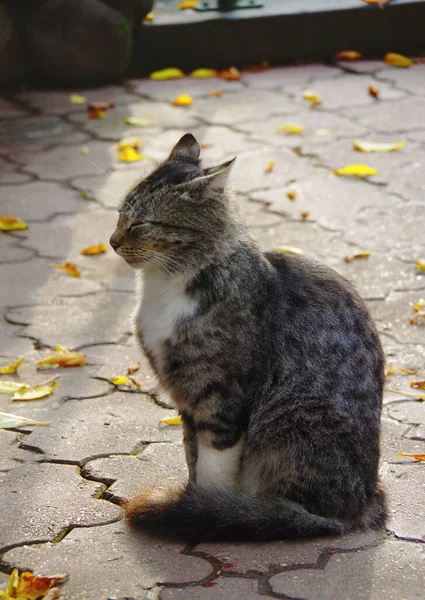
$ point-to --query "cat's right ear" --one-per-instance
(186, 148)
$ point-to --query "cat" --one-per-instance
(272, 360)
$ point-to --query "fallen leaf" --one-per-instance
(77, 99)
(360, 171)
(203, 73)
(408, 371)
(119, 380)
(364, 146)
(418, 384)
(12, 368)
(36, 393)
(373, 91)
(85, 194)
(420, 264)
(390, 370)
(216, 94)
(93, 250)
(292, 194)
(133, 368)
(70, 269)
(361, 254)
(290, 128)
(289, 250)
(188, 4)
(230, 74)
(304, 214)
(419, 305)
(130, 155)
(85, 150)
(96, 110)
(10, 387)
(264, 66)
(12, 224)
(149, 17)
(380, 3)
(182, 100)
(135, 382)
(171, 421)
(138, 121)
(129, 142)
(397, 60)
(419, 397)
(9, 421)
(165, 74)
(418, 318)
(313, 97)
(349, 55)
(419, 457)
(269, 167)
(62, 357)
(28, 586)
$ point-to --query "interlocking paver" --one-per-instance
(410, 80)
(401, 116)
(282, 77)
(237, 589)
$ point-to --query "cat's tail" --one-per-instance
(219, 514)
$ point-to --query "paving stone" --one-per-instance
(393, 571)
(241, 557)
(398, 117)
(75, 322)
(157, 465)
(393, 229)
(11, 342)
(317, 192)
(363, 66)
(10, 175)
(393, 315)
(11, 253)
(409, 80)
(282, 77)
(242, 106)
(115, 424)
(346, 91)
(10, 109)
(394, 440)
(58, 498)
(113, 360)
(197, 88)
(65, 162)
(237, 589)
(34, 128)
(411, 412)
(133, 562)
(410, 180)
(10, 454)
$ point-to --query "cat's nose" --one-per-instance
(115, 242)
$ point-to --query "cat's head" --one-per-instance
(176, 217)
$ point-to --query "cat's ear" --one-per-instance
(214, 178)
(186, 148)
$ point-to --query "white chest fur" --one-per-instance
(163, 303)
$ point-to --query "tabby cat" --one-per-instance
(272, 360)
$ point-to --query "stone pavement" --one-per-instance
(61, 483)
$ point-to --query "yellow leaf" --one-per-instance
(149, 17)
(291, 128)
(12, 368)
(419, 457)
(363, 146)
(390, 370)
(138, 121)
(85, 150)
(418, 384)
(77, 99)
(93, 250)
(70, 269)
(360, 171)
(203, 73)
(119, 380)
(130, 155)
(62, 358)
(12, 224)
(349, 55)
(183, 100)
(37, 393)
(171, 421)
(129, 142)
(420, 264)
(85, 194)
(188, 4)
(269, 167)
(397, 60)
(419, 305)
(408, 371)
(10, 387)
(289, 250)
(9, 421)
(164, 74)
(312, 96)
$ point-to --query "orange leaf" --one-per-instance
(373, 91)
(350, 55)
(31, 587)
(93, 250)
(217, 94)
(96, 110)
(269, 167)
(305, 214)
(12, 224)
(133, 368)
(264, 66)
(230, 74)
(418, 384)
(62, 357)
(70, 269)
(420, 457)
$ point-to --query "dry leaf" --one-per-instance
(304, 214)
(419, 457)
(373, 91)
(313, 97)
(290, 128)
(36, 393)
(62, 357)
(12, 368)
(408, 371)
(420, 385)
(397, 60)
(188, 4)
(28, 586)
(165, 74)
(70, 269)
(182, 100)
(269, 167)
(171, 421)
(230, 74)
(292, 194)
(10, 387)
(129, 154)
(203, 73)
(138, 121)
(119, 380)
(360, 171)
(135, 382)
(85, 150)
(12, 224)
(77, 99)
(349, 55)
(93, 250)
(419, 305)
(9, 421)
(391, 369)
(129, 142)
(420, 264)
(361, 254)
(289, 250)
(96, 110)
(364, 146)
(380, 3)
(264, 66)
(217, 94)
(149, 17)
(85, 194)
(133, 368)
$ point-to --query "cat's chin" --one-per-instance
(137, 266)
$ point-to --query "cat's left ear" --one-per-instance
(214, 178)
